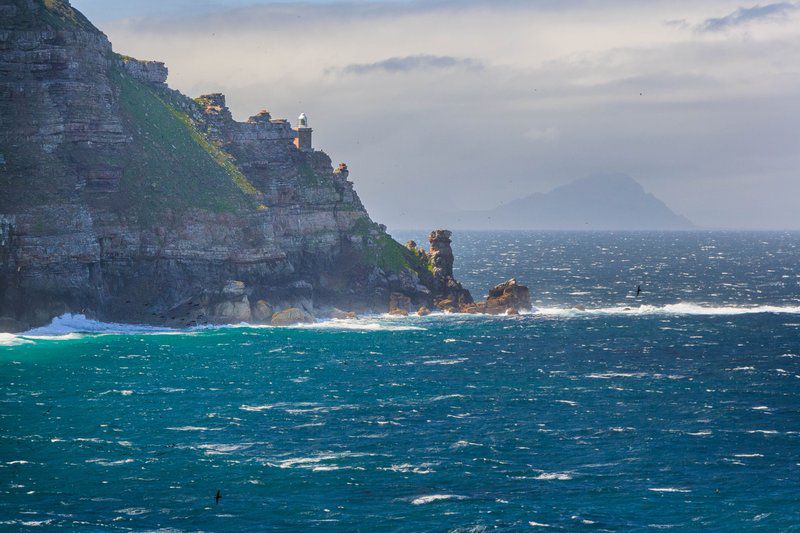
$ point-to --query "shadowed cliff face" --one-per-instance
(128, 201)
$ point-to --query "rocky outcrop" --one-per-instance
(234, 306)
(399, 304)
(151, 72)
(509, 295)
(449, 294)
(292, 316)
(338, 314)
(507, 298)
(262, 312)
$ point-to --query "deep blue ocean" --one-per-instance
(679, 409)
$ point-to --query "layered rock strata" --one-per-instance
(125, 200)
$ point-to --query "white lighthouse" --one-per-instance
(303, 139)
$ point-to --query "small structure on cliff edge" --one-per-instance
(303, 140)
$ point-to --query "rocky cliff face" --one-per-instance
(128, 201)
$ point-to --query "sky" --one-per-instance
(468, 104)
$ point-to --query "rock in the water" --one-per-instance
(291, 316)
(449, 296)
(233, 311)
(399, 303)
(508, 295)
(511, 311)
(398, 312)
(579, 307)
(423, 311)
(262, 312)
(338, 314)
(503, 298)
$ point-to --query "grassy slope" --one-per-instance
(388, 254)
(172, 166)
(57, 14)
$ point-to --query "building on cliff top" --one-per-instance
(303, 140)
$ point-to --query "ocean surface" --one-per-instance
(678, 409)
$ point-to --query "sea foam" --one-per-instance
(682, 308)
(75, 326)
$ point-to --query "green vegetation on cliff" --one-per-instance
(171, 165)
(58, 14)
(383, 251)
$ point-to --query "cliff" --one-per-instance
(125, 200)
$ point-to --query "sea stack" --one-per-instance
(450, 295)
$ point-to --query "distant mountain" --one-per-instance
(597, 202)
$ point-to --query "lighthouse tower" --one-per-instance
(303, 139)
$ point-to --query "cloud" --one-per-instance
(743, 15)
(489, 100)
(412, 63)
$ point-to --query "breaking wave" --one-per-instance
(75, 326)
(682, 308)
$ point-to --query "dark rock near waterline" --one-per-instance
(509, 297)
(262, 312)
(399, 304)
(338, 314)
(292, 316)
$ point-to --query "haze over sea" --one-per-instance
(679, 409)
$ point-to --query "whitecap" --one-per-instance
(668, 489)
(313, 462)
(446, 397)
(132, 511)
(455, 361)
(36, 523)
(612, 375)
(553, 476)
(422, 500)
(464, 444)
(407, 468)
(9, 339)
(538, 524)
(193, 428)
(256, 408)
(106, 462)
(65, 327)
(567, 402)
(680, 308)
(745, 455)
(222, 449)
(364, 324)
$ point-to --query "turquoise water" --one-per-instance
(682, 412)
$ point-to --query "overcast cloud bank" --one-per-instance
(466, 105)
